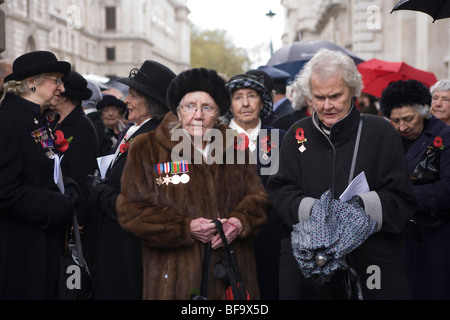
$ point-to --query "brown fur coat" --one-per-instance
(160, 215)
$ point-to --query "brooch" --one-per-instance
(300, 136)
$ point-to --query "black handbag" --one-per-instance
(75, 279)
(427, 170)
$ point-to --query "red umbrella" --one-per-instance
(377, 74)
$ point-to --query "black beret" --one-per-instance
(199, 79)
(403, 93)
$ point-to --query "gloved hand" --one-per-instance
(72, 192)
(93, 179)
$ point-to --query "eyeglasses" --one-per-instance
(58, 81)
(206, 110)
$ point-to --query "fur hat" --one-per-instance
(110, 100)
(75, 86)
(152, 79)
(199, 79)
(37, 62)
(403, 93)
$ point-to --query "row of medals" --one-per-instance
(175, 179)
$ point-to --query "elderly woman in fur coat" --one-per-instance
(176, 181)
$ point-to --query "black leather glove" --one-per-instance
(72, 192)
(93, 179)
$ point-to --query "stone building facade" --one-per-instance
(370, 30)
(101, 37)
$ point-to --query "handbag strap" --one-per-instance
(355, 151)
(76, 230)
(204, 287)
(229, 262)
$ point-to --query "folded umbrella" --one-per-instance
(333, 230)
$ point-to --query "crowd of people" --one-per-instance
(326, 193)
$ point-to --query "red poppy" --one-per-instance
(61, 143)
(300, 134)
(124, 146)
(437, 142)
(241, 142)
(267, 143)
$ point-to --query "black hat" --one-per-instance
(152, 79)
(199, 79)
(263, 77)
(37, 62)
(110, 100)
(402, 93)
(75, 86)
(278, 76)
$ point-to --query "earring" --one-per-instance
(33, 88)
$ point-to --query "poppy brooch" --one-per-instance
(61, 142)
(438, 143)
(300, 136)
(267, 144)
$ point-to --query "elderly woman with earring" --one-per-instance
(33, 211)
(118, 254)
(170, 195)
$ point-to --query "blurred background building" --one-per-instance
(110, 37)
(369, 30)
(101, 37)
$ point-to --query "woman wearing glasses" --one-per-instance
(33, 212)
(118, 266)
(177, 181)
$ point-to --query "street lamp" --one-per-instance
(270, 14)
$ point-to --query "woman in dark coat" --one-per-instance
(407, 105)
(315, 158)
(172, 214)
(33, 212)
(77, 145)
(251, 101)
(118, 265)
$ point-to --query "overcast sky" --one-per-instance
(245, 21)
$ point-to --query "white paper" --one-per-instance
(358, 186)
(103, 164)
(57, 173)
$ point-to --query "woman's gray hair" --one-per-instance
(441, 85)
(423, 110)
(298, 97)
(21, 87)
(327, 63)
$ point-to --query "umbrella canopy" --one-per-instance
(437, 9)
(377, 74)
(291, 58)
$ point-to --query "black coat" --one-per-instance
(33, 213)
(427, 242)
(286, 121)
(325, 164)
(118, 266)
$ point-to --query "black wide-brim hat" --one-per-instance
(37, 62)
(110, 100)
(152, 79)
(75, 86)
(199, 79)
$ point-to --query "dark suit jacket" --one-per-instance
(284, 108)
(118, 266)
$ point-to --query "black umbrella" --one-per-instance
(291, 58)
(437, 9)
